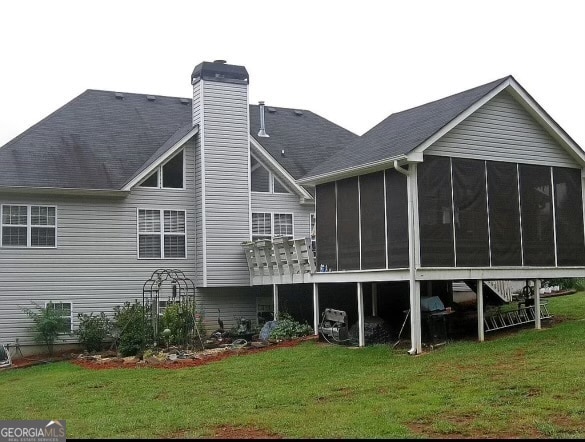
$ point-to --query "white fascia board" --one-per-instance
(386, 163)
(275, 165)
(534, 109)
(462, 116)
(170, 152)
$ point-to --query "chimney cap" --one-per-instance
(224, 73)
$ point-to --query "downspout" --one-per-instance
(411, 253)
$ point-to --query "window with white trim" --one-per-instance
(28, 226)
(161, 234)
(64, 309)
(283, 224)
(266, 225)
(262, 180)
(261, 226)
(169, 175)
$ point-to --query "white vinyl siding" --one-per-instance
(95, 266)
(502, 130)
(166, 242)
(30, 226)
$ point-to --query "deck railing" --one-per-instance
(281, 260)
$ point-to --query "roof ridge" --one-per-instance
(137, 94)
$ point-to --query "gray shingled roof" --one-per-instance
(96, 141)
(100, 141)
(306, 138)
(402, 132)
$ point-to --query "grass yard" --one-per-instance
(521, 384)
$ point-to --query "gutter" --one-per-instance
(64, 191)
(411, 253)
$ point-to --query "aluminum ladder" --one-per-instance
(524, 315)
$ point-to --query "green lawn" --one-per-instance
(528, 383)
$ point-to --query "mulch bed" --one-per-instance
(202, 359)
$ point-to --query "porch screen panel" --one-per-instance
(397, 216)
(326, 233)
(372, 219)
(348, 240)
(537, 219)
(435, 212)
(470, 205)
(569, 217)
(506, 249)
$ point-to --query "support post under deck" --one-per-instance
(480, 313)
(316, 309)
(275, 297)
(374, 299)
(537, 324)
(360, 299)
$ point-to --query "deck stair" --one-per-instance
(498, 319)
(500, 291)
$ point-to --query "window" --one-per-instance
(262, 180)
(167, 176)
(64, 309)
(283, 224)
(267, 225)
(261, 226)
(29, 226)
(166, 242)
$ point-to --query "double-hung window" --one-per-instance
(268, 225)
(63, 309)
(29, 226)
(161, 234)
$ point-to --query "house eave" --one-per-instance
(27, 190)
(359, 170)
(174, 148)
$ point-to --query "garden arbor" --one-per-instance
(164, 288)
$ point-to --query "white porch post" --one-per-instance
(415, 318)
(480, 323)
(537, 304)
(316, 308)
(360, 299)
(374, 299)
(275, 296)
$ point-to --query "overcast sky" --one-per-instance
(353, 62)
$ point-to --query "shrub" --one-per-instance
(93, 330)
(48, 324)
(131, 327)
(288, 328)
(178, 318)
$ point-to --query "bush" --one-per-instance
(178, 318)
(288, 328)
(131, 327)
(48, 325)
(93, 330)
